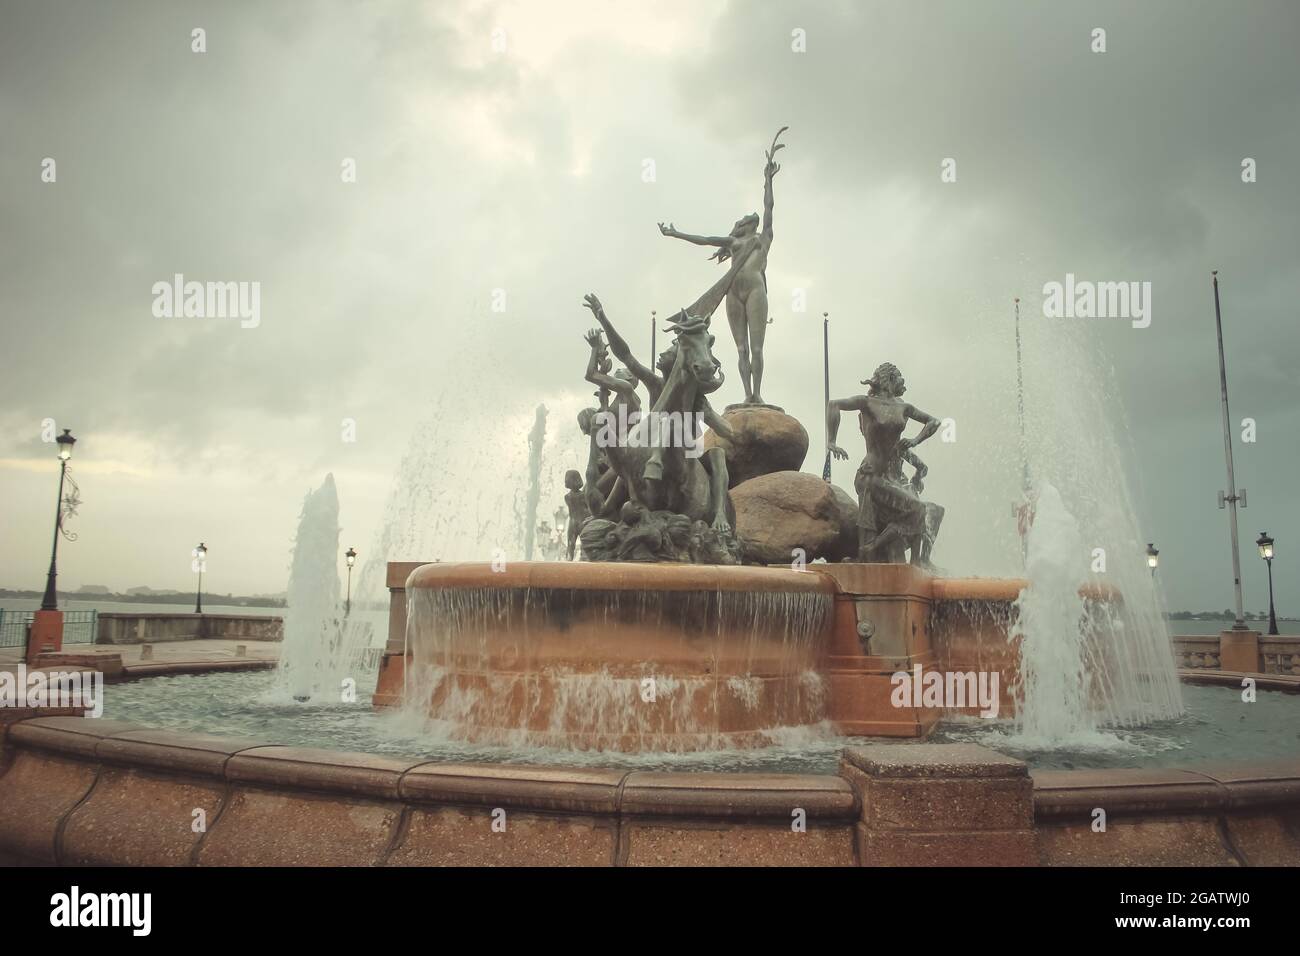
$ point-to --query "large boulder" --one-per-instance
(785, 510)
(767, 441)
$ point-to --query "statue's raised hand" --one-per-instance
(773, 167)
(594, 338)
(668, 230)
(839, 453)
(593, 303)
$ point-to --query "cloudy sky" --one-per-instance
(530, 147)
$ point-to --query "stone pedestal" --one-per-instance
(941, 805)
(1239, 651)
(881, 626)
(47, 635)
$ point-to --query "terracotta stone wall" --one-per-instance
(941, 805)
(1209, 815)
(80, 791)
(75, 790)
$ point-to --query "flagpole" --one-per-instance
(826, 381)
(653, 363)
(1231, 498)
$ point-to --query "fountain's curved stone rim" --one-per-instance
(816, 578)
(1008, 589)
(610, 576)
(73, 795)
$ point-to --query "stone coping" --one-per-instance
(949, 761)
(1006, 590)
(849, 577)
(616, 576)
(169, 615)
(1059, 795)
(729, 795)
(1287, 683)
(115, 671)
(1213, 787)
(597, 791)
(176, 668)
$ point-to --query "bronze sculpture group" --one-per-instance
(655, 494)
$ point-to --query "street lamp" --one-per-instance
(351, 555)
(50, 602)
(200, 554)
(1265, 544)
(1153, 558)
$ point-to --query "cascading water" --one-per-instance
(1084, 665)
(458, 497)
(1076, 443)
(591, 668)
(1049, 620)
(314, 657)
(536, 442)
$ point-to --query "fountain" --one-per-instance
(727, 611)
(675, 634)
(320, 648)
(536, 441)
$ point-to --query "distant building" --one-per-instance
(93, 589)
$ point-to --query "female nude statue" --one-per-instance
(747, 295)
(891, 514)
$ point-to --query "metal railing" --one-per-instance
(79, 627)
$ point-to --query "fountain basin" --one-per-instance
(109, 792)
(561, 654)
(614, 656)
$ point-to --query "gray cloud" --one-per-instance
(523, 172)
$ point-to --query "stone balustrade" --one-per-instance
(1276, 655)
(156, 628)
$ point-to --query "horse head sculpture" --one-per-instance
(694, 369)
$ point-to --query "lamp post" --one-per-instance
(351, 555)
(1153, 558)
(50, 602)
(200, 556)
(1265, 544)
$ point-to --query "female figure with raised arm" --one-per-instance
(748, 246)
